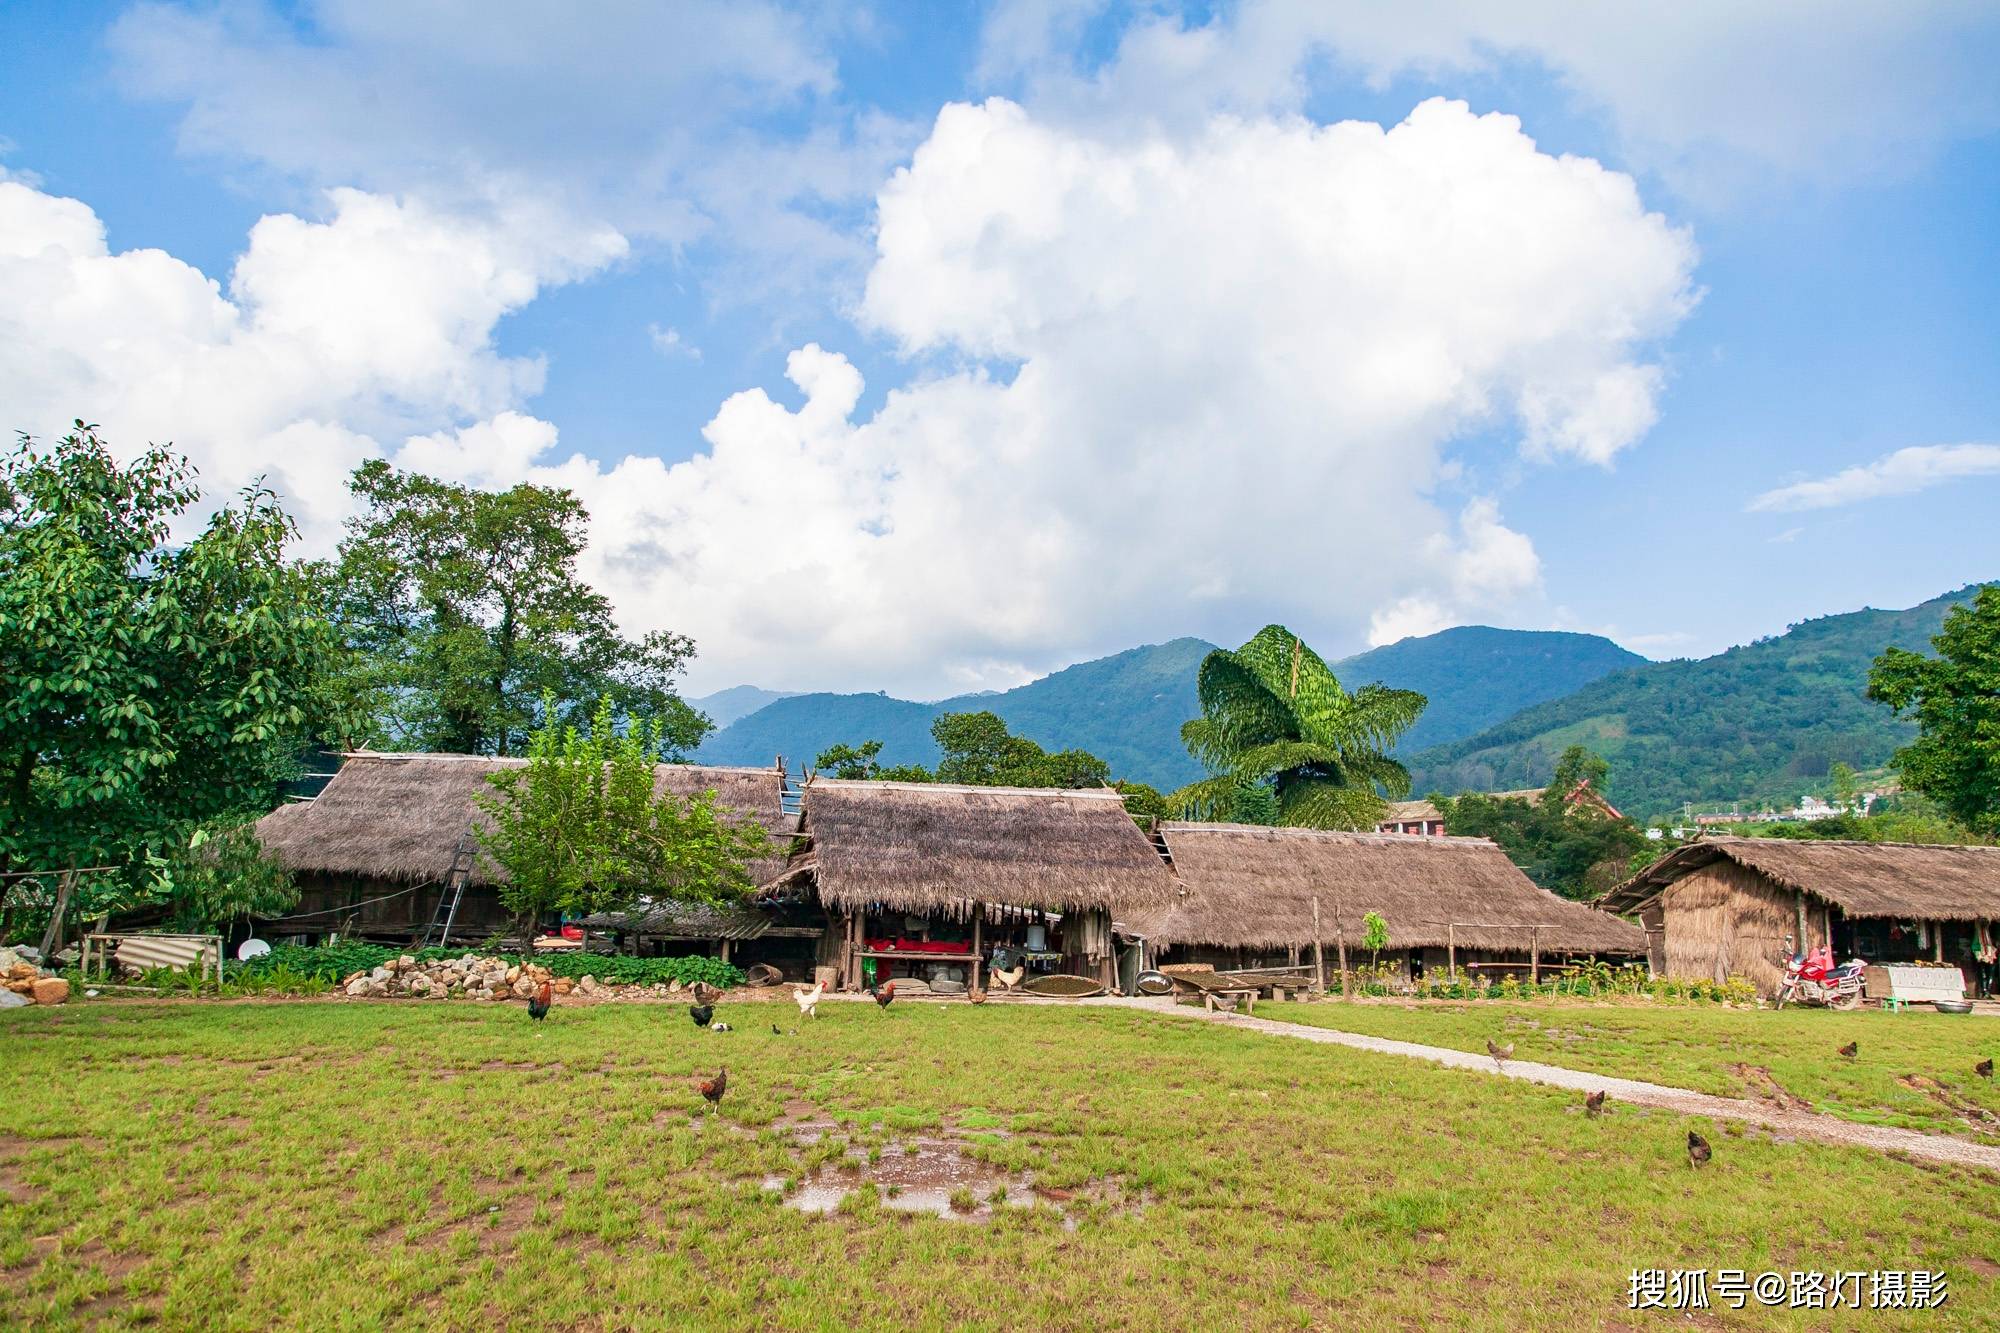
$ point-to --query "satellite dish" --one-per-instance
(251, 949)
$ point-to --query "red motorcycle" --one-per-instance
(1814, 979)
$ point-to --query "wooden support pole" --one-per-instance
(1340, 943)
(978, 953)
(52, 937)
(1451, 951)
(1535, 955)
(1937, 941)
(1319, 954)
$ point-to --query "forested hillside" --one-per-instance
(1762, 721)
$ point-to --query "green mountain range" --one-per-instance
(1764, 721)
(1128, 708)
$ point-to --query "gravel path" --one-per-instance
(1795, 1124)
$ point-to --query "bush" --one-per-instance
(295, 965)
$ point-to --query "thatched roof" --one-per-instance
(1906, 881)
(399, 816)
(1410, 812)
(1253, 887)
(931, 847)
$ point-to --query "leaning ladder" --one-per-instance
(446, 912)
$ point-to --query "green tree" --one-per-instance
(1557, 840)
(582, 827)
(1955, 698)
(150, 682)
(1374, 937)
(1273, 713)
(1252, 801)
(980, 752)
(467, 612)
(1845, 785)
(1142, 801)
(850, 761)
(220, 875)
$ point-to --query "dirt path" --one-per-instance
(1797, 1124)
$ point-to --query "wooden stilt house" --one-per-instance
(375, 853)
(1254, 897)
(931, 882)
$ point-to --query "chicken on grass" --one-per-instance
(884, 994)
(539, 1002)
(702, 1014)
(1698, 1150)
(711, 1089)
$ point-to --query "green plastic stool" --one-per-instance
(1890, 1002)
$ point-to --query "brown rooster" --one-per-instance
(1984, 1068)
(884, 993)
(711, 1089)
(1501, 1054)
(1593, 1105)
(1698, 1150)
(1852, 1049)
(977, 995)
(539, 1002)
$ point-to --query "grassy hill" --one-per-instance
(725, 706)
(1128, 708)
(1764, 720)
(1476, 676)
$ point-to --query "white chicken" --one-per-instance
(1009, 980)
(808, 1000)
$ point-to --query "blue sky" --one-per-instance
(932, 349)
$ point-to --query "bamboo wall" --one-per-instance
(1725, 919)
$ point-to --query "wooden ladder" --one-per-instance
(446, 912)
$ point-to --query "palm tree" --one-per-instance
(1274, 715)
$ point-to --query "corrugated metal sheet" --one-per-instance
(179, 952)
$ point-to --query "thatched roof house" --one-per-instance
(1423, 816)
(1253, 888)
(918, 876)
(1741, 905)
(938, 849)
(396, 820)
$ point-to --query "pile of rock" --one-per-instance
(468, 976)
(22, 982)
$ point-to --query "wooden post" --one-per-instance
(1534, 955)
(1319, 954)
(1937, 941)
(1340, 943)
(978, 924)
(1804, 945)
(1451, 951)
(725, 951)
(52, 937)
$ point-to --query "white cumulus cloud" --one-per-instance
(1174, 385)
(1200, 384)
(1903, 472)
(332, 335)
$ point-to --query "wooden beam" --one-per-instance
(1319, 953)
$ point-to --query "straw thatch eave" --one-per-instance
(1897, 880)
(936, 849)
(1249, 886)
(398, 817)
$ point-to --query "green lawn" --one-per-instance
(1913, 1069)
(442, 1164)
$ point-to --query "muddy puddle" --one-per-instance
(929, 1174)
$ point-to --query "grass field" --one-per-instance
(364, 1165)
(1913, 1069)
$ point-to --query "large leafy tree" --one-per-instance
(149, 682)
(467, 611)
(1274, 716)
(582, 828)
(1572, 847)
(1955, 698)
